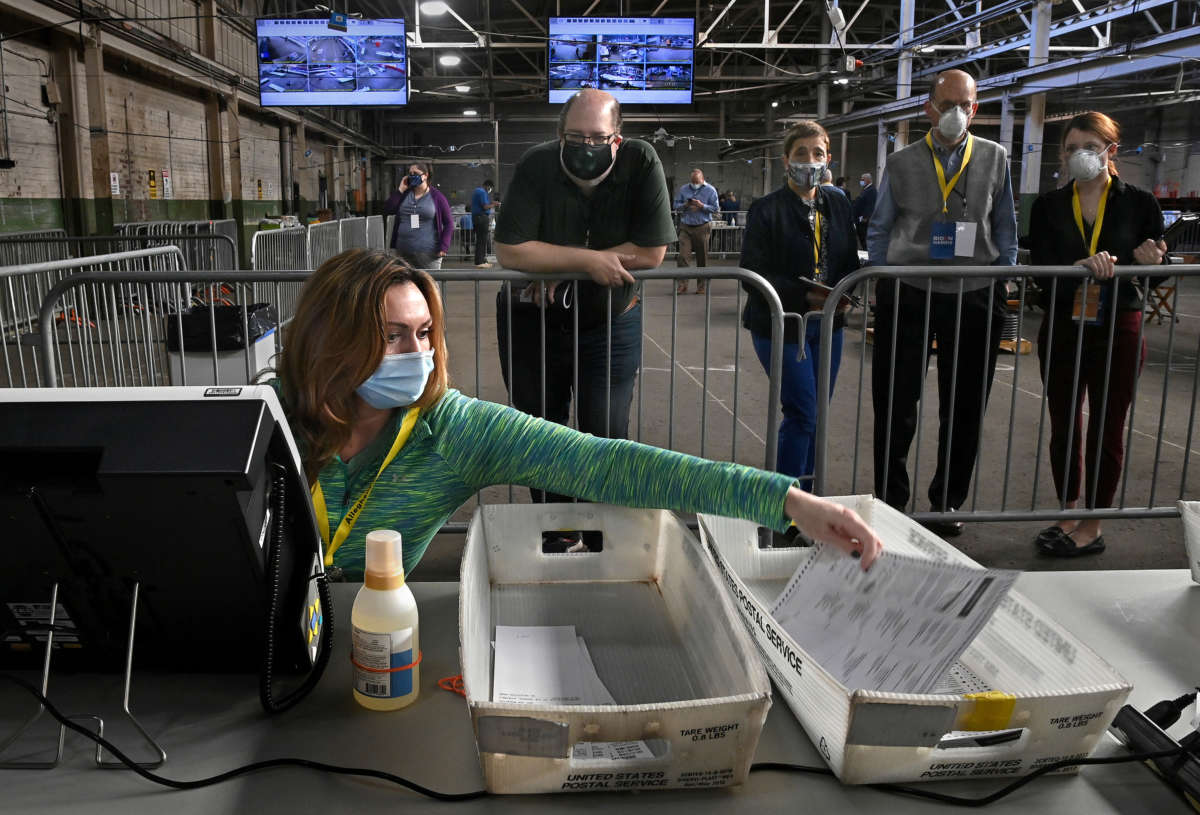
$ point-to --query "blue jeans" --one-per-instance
(797, 454)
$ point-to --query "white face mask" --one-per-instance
(1084, 165)
(952, 124)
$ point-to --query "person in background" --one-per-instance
(946, 200)
(385, 443)
(481, 221)
(729, 208)
(864, 205)
(424, 224)
(696, 202)
(801, 239)
(827, 184)
(1099, 222)
(841, 185)
(595, 202)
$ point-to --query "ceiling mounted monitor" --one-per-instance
(305, 62)
(646, 60)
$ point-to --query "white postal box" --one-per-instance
(661, 631)
(1024, 672)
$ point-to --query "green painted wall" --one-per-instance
(28, 214)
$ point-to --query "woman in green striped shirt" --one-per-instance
(387, 444)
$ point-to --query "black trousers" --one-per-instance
(977, 337)
(480, 223)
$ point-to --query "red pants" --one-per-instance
(1105, 433)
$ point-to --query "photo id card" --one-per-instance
(1089, 303)
(414, 221)
(942, 236)
(964, 239)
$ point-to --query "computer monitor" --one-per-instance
(177, 490)
(637, 59)
(305, 62)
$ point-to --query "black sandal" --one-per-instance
(1064, 546)
(1049, 534)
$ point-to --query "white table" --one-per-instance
(1146, 623)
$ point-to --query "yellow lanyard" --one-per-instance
(1099, 215)
(941, 171)
(817, 244)
(318, 496)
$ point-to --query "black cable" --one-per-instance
(958, 800)
(237, 771)
(274, 594)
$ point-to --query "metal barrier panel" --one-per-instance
(725, 238)
(97, 332)
(202, 251)
(19, 248)
(353, 232)
(279, 249)
(389, 223)
(324, 241)
(375, 239)
(1015, 425)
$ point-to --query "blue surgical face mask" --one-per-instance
(399, 380)
(415, 180)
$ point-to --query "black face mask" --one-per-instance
(586, 161)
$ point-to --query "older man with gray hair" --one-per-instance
(696, 202)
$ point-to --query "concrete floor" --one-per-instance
(712, 402)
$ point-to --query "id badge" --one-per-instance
(414, 221)
(1088, 305)
(964, 239)
(941, 240)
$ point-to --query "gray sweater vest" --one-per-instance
(913, 184)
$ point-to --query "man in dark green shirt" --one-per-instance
(589, 202)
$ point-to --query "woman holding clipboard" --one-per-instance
(801, 238)
(1099, 222)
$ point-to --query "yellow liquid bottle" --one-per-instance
(384, 629)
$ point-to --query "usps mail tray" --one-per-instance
(1025, 693)
(690, 691)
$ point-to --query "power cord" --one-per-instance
(257, 766)
(958, 800)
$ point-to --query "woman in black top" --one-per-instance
(1099, 222)
(796, 235)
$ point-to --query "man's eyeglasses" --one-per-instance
(579, 138)
(944, 107)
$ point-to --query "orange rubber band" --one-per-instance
(420, 656)
(454, 684)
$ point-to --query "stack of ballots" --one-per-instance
(926, 667)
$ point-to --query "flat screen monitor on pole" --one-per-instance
(305, 62)
(647, 60)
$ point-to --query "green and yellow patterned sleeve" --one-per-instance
(488, 444)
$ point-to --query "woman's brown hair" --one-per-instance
(337, 340)
(1097, 123)
(803, 129)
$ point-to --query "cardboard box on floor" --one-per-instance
(661, 632)
(1024, 672)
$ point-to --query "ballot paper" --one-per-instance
(545, 664)
(898, 627)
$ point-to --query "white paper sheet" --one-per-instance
(898, 627)
(545, 664)
(538, 664)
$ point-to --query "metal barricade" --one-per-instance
(18, 248)
(197, 256)
(200, 251)
(1029, 410)
(724, 239)
(375, 239)
(279, 249)
(97, 333)
(353, 233)
(389, 223)
(324, 241)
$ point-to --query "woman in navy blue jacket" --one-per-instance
(799, 234)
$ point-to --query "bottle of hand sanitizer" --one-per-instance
(384, 621)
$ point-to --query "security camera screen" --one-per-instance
(305, 62)
(639, 59)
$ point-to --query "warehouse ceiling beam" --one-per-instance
(536, 23)
(1137, 57)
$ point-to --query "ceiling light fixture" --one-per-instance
(470, 112)
(434, 7)
(462, 88)
(774, 104)
(449, 60)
